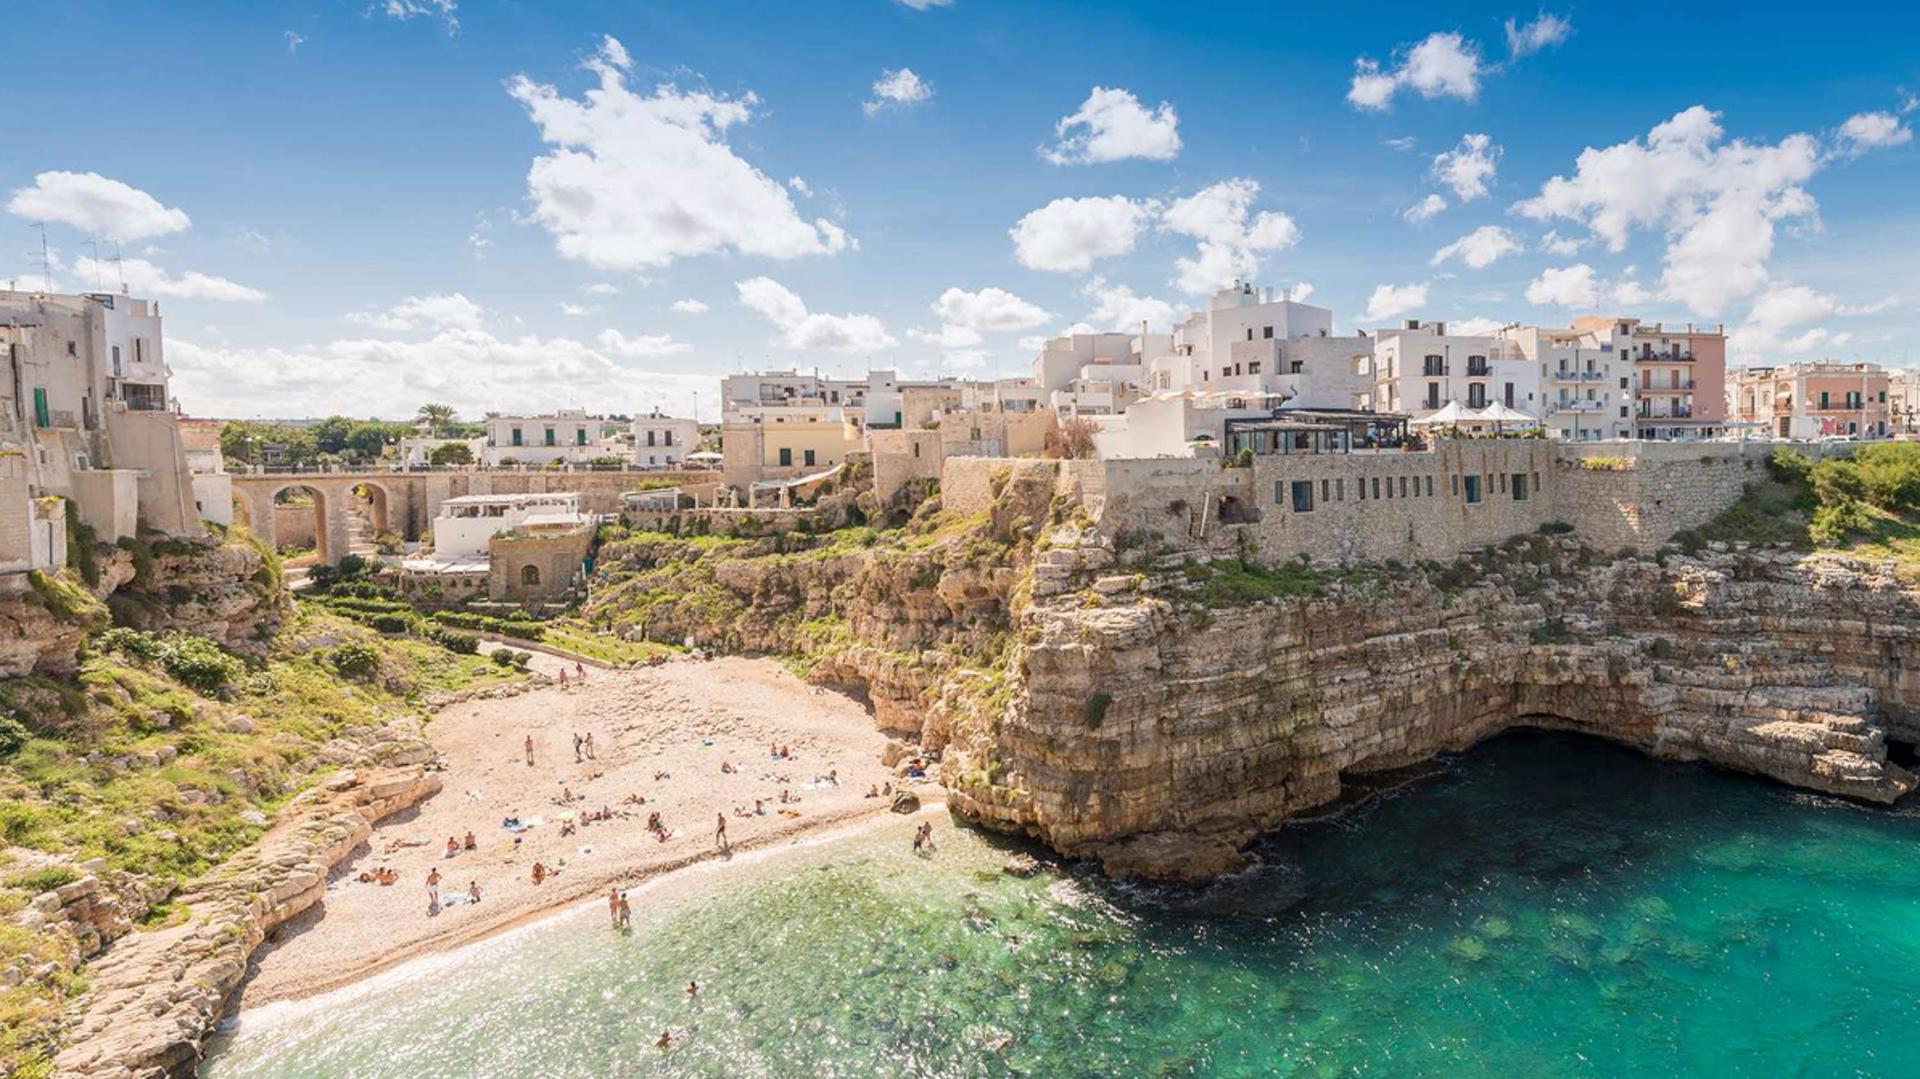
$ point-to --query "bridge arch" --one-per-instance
(329, 518)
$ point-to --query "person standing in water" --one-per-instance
(626, 912)
(613, 906)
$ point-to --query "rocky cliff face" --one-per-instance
(1159, 732)
(221, 590)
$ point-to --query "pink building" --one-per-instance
(1816, 400)
(1679, 375)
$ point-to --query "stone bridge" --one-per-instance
(405, 503)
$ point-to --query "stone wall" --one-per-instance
(554, 559)
(900, 457)
(296, 525)
(967, 484)
(1638, 494)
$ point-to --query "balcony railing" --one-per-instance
(1578, 406)
(1580, 376)
(1479, 370)
(1678, 412)
(1664, 357)
(1685, 386)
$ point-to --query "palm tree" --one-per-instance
(437, 418)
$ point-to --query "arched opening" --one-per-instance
(530, 576)
(299, 515)
(372, 526)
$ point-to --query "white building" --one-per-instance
(663, 441)
(1420, 369)
(1586, 381)
(568, 435)
(465, 524)
(753, 398)
(1235, 344)
(1096, 374)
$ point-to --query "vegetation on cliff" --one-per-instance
(1866, 505)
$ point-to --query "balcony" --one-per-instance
(1685, 386)
(1677, 412)
(1664, 357)
(1579, 376)
(1577, 406)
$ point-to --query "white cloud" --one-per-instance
(1441, 65)
(1475, 327)
(799, 186)
(1113, 126)
(923, 5)
(480, 240)
(1301, 292)
(1468, 167)
(576, 310)
(1232, 242)
(900, 89)
(96, 206)
(1424, 210)
(1564, 286)
(1067, 235)
(1717, 202)
(1481, 248)
(633, 181)
(1033, 343)
(601, 288)
(645, 347)
(948, 336)
(1392, 301)
(294, 41)
(1871, 131)
(691, 307)
(470, 369)
(799, 328)
(432, 9)
(993, 310)
(143, 278)
(1782, 308)
(1117, 309)
(1543, 32)
(441, 311)
(1555, 244)
(1404, 143)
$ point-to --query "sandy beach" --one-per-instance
(660, 733)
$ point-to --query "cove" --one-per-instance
(1543, 905)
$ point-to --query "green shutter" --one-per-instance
(40, 418)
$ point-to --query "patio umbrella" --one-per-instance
(1499, 414)
(1453, 413)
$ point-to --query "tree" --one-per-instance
(330, 434)
(437, 418)
(453, 453)
(366, 440)
(1076, 437)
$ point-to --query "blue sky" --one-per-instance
(359, 207)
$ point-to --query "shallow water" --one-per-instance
(1547, 906)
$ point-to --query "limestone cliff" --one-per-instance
(224, 590)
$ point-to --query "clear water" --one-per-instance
(1547, 906)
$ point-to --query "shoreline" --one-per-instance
(692, 737)
(651, 879)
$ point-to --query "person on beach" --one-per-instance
(563, 678)
(613, 906)
(529, 750)
(590, 754)
(433, 888)
(473, 891)
(626, 912)
(580, 671)
(693, 988)
(833, 776)
(470, 844)
(578, 742)
(720, 831)
(453, 846)
(539, 872)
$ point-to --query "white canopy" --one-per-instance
(1499, 413)
(1452, 413)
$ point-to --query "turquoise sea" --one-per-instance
(1544, 905)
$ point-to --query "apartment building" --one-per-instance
(748, 398)
(1420, 369)
(1903, 401)
(1825, 399)
(1586, 381)
(1097, 374)
(662, 441)
(85, 402)
(1235, 343)
(568, 436)
(1679, 375)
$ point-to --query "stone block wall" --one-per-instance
(967, 483)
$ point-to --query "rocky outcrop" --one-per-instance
(36, 638)
(219, 589)
(156, 994)
(1158, 732)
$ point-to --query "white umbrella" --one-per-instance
(1452, 414)
(1501, 414)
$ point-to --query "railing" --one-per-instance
(1434, 370)
(1580, 376)
(1578, 406)
(1676, 387)
(60, 417)
(1664, 357)
(1677, 413)
(1479, 370)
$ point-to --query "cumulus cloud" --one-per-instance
(635, 181)
(923, 5)
(1112, 125)
(1545, 31)
(643, 347)
(1555, 244)
(1403, 144)
(1442, 64)
(447, 310)
(1424, 210)
(1773, 322)
(1481, 248)
(1116, 308)
(994, 310)
(443, 10)
(1468, 167)
(1564, 286)
(576, 310)
(690, 307)
(1067, 235)
(143, 278)
(1392, 301)
(1478, 326)
(470, 369)
(601, 288)
(900, 89)
(97, 206)
(797, 327)
(1871, 131)
(1232, 238)
(1716, 201)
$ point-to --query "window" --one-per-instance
(1279, 492)
(786, 457)
(1623, 412)
(1296, 367)
(1360, 485)
(1823, 399)
(1403, 487)
(1477, 395)
(1623, 383)
(580, 436)
(1503, 483)
(1326, 490)
(1267, 333)
(1519, 486)
(916, 449)
(1376, 487)
(1303, 496)
(1509, 395)
(1429, 486)
(649, 438)
(1253, 368)
(1433, 395)
(530, 575)
(1473, 489)
(517, 438)
(808, 456)
(1340, 490)
(551, 437)
(1456, 484)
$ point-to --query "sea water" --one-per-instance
(1544, 905)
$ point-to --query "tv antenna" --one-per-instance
(95, 267)
(46, 256)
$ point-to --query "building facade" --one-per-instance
(567, 436)
(661, 441)
(1816, 400)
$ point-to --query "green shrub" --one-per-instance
(1555, 528)
(135, 643)
(499, 627)
(356, 659)
(197, 663)
(1789, 466)
(501, 658)
(392, 623)
(13, 735)
(1834, 522)
(43, 880)
(1097, 706)
(453, 640)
